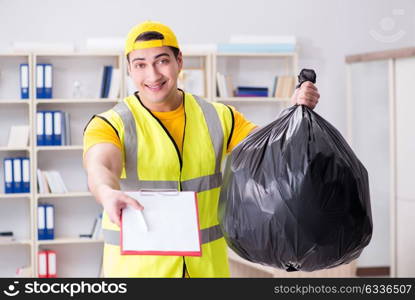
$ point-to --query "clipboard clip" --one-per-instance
(164, 192)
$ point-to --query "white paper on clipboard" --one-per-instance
(168, 225)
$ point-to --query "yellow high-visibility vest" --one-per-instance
(152, 160)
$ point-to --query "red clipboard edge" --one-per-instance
(166, 253)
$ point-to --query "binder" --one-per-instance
(40, 129)
(40, 81)
(51, 263)
(24, 81)
(8, 176)
(25, 175)
(108, 81)
(42, 264)
(17, 175)
(48, 81)
(48, 121)
(50, 221)
(57, 128)
(41, 222)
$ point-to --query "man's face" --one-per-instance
(154, 72)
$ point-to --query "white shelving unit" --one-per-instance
(75, 211)
(380, 111)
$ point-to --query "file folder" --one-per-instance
(17, 175)
(24, 81)
(25, 175)
(51, 263)
(48, 81)
(50, 221)
(48, 121)
(40, 81)
(42, 264)
(168, 225)
(41, 222)
(40, 128)
(8, 176)
(57, 128)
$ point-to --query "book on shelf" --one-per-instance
(110, 82)
(53, 128)
(50, 182)
(285, 86)
(45, 221)
(18, 136)
(192, 81)
(96, 230)
(224, 85)
(251, 91)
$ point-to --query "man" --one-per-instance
(162, 137)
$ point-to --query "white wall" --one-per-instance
(327, 30)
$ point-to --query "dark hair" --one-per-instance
(153, 35)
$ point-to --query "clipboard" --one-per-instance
(168, 225)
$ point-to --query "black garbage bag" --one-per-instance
(295, 196)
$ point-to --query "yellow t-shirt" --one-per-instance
(99, 131)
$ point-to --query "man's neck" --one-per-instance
(171, 103)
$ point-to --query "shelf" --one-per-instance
(16, 242)
(63, 241)
(15, 101)
(253, 99)
(5, 148)
(15, 195)
(282, 54)
(59, 148)
(75, 101)
(64, 195)
(77, 54)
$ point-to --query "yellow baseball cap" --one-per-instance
(169, 37)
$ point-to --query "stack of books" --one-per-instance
(50, 182)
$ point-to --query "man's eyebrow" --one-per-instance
(155, 57)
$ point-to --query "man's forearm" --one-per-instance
(100, 178)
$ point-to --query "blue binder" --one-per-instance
(48, 81)
(108, 81)
(50, 221)
(25, 175)
(8, 175)
(41, 222)
(17, 175)
(40, 128)
(58, 118)
(48, 121)
(24, 81)
(40, 81)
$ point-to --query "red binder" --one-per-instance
(42, 262)
(51, 258)
(47, 264)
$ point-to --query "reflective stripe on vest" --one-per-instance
(198, 184)
(208, 235)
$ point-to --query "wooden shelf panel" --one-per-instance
(64, 195)
(59, 148)
(69, 240)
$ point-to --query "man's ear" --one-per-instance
(180, 60)
(128, 68)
